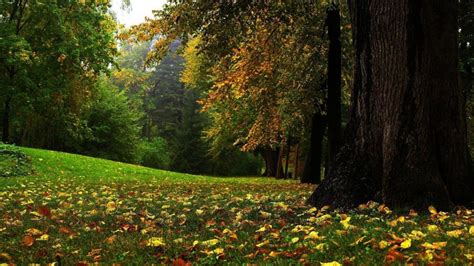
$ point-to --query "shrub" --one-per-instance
(13, 162)
(154, 153)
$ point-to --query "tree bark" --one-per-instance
(271, 162)
(312, 167)
(333, 22)
(6, 121)
(405, 142)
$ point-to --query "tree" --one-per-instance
(405, 143)
(51, 53)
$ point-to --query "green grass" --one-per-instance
(94, 210)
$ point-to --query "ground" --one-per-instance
(76, 209)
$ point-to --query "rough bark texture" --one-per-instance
(312, 167)
(333, 22)
(405, 143)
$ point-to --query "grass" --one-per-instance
(77, 209)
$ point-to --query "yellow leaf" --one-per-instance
(33, 231)
(454, 233)
(469, 256)
(195, 243)
(111, 206)
(265, 214)
(435, 245)
(274, 254)
(345, 222)
(219, 251)
(320, 247)
(44, 237)
(383, 244)
(406, 244)
(415, 234)
(332, 263)
(199, 212)
(259, 245)
(294, 240)
(313, 235)
(432, 228)
(432, 210)
(471, 230)
(155, 242)
(211, 242)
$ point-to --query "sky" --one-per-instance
(140, 10)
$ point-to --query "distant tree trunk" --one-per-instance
(6, 120)
(406, 139)
(297, 161)
(279, 172)
(312, 167)
(271, 161)
(333, 22)
(287, 159)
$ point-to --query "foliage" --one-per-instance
(81, 209)
(154, 153)
(13, 162)
(51, 55)
(258, 65)
(112, 121)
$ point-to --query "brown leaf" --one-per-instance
(45, 211)
(65, 230)
(111, 239)
(181, 262)
(28, 241)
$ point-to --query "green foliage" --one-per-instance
(13, 162)
(113, 125)
(154, 153)
(50, 56)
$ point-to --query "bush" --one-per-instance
(114, 125)
(13, 162)
(154, 153)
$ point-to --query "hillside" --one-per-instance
(77, 209)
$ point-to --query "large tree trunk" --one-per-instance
(312, 167)
(333, 22)
(405, 143)
(6, 121)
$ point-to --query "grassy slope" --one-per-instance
(97, 210)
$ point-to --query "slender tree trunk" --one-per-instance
(288, 150)
(406, 139)
(6, 120)
(279, 170)
(312, 167)
(297, 161)
(333, 22)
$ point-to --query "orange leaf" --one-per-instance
(28, 241)
(181, 262)
(65, 230)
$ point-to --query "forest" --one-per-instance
(237, 132)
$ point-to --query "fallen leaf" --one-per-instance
(155, 242)
(406, 244)
(28, 241)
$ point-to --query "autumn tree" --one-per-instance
(405, 143)
(268, 65)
